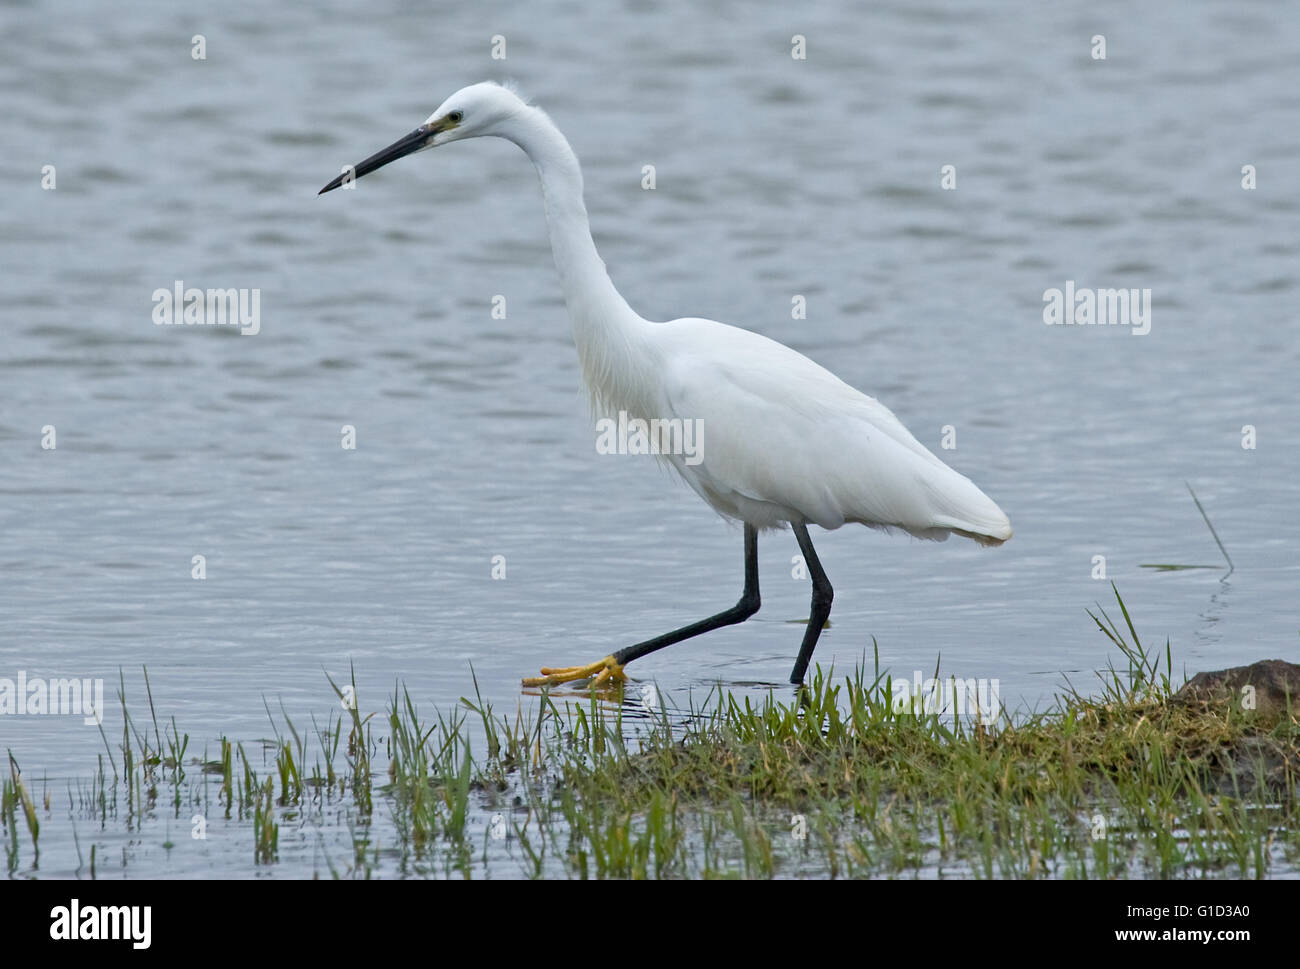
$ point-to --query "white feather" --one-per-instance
(784, 439)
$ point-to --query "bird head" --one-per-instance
(472, 112)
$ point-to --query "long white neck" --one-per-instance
(610, 336)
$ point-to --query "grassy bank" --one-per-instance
(842, 780)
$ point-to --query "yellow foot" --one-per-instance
(604, 670)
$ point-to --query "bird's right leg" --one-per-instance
(611, 667)
(822, 596)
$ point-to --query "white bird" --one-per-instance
(785, 441)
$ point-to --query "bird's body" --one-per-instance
(784, 441)
(787, 441)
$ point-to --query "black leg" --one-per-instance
(742, 610)
(822, 595)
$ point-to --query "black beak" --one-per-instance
(413, 142)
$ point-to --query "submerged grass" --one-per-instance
(842, 779)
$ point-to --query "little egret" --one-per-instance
(784, 441)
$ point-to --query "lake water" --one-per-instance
(775, 177)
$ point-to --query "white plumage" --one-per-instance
(784, 440)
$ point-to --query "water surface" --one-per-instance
(775, 177)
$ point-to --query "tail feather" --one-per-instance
(960, 507)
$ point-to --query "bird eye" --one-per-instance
(455, 117)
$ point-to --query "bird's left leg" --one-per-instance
(822, 596)
(611, 667)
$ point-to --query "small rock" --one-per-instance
(1276, 687)
(1258, 758)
